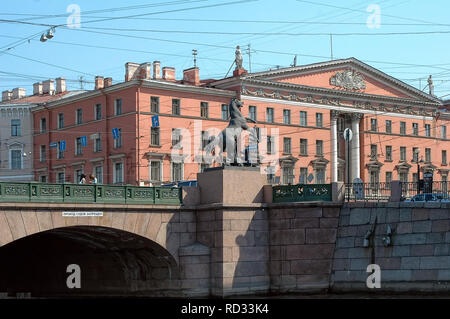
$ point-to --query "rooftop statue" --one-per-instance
(238, 59)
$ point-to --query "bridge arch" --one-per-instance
(111, 261)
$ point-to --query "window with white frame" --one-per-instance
(60, 177)
(43, 125)
(117, 106)
(78, 146)
(16, 159)
(98, 112)
(156, 171)
(15, 128)
(79, 116)
(98, 143)
(98, 172)
(42, 153)
(118, 140)
(177, 172)
(303, 118)
(118, 173)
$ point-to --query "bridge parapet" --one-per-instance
(76, 193)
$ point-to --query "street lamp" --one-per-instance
(418, 169)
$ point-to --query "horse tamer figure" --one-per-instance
(230, 136)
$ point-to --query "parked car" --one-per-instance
(429, 197)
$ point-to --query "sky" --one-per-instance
(407, 39)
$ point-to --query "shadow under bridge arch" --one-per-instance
(112, 262)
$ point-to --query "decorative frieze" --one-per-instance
(334, 101)
(349, 80)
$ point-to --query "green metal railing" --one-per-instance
(77, 193)
(302, 193)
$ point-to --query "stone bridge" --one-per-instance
(227, 238)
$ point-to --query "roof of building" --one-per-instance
(42, 98)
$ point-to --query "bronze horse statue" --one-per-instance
(231, 134)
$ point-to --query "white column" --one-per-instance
(355, 150)
(334, 154)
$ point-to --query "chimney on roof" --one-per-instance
(99, 82)
(144, 71)
(48, 87)
(6, 96)
(60, 85)
(18, 93)
(168, 73)
(37, 88)
(191, 76)
(156, 70)
(130, 70)
(108, 82)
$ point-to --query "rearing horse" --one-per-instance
(237, 124)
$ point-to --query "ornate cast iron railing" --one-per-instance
(302, 193)
(76, 193)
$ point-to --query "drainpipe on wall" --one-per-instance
(107, 175)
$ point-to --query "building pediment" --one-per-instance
(288, 160)
(319, 162)
(403, 166)
(348, 75)
(374, 165)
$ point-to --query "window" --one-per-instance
(78, 146)
(176, 136)
(415, 151)
(60, 177)
(374, 179)
(373, 152)
(60, 120)
(79, 116)
(303, 118)
(118, 173)
(77, 176)
(320, 175)
(154, 104)
(319, 119)
(402, 153)
(176, 107)
(16, 159)
(98, 112)
(225, 112)
(388, 126)
(287, 145)
(117, 106)
(443, 131)
(319, 147)
(403, 128)
(42, 153)
(98, 172)
(155, 171)
(118, 140)
(252, 112)
(303, 175)
(303, 146)
(286, 117)
(204, 109)
(415, 129)
(60, 153)
(177, 172)
(427, 130)
(270, 144)
(373, 125)
(43, 179)
(388, 180)
(154, 132)
(403, 177)
(15, 127)
(444, 157)
(288, 175)
(98, 143)
(428, 155)
(43, 125)
(269, 115)
(388, 153)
